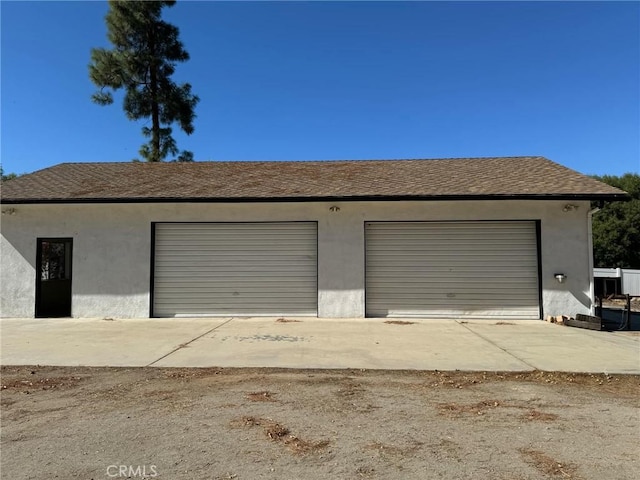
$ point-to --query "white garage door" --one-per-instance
(243, 269)
(452, 269)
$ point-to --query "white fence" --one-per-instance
(629, 279)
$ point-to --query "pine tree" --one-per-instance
(145, 52)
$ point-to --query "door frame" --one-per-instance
(38, 296)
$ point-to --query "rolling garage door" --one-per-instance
(452, 269)
(243, 269)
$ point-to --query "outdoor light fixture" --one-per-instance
(9, 211)
(560, 277)
(569, 207)
(333, 208)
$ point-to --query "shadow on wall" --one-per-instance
(583, 298)
(580, 296)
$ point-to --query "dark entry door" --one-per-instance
(53, 277)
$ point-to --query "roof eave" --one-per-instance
(335, 198)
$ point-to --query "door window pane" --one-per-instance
(54, 263)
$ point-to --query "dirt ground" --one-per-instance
(101, 423)
(621, 303)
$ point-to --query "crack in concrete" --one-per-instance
(497, 346)
(186, 344)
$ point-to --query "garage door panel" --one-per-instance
(242, 264)
(452, 289)
(427, 298)
(450, 261)
(443, 273)
(414, 274)
(445, 312)
(450, 269)
(195, 283)
(229, 298)
(466, 301)
(239, 289)
(235, 269)
(443, 240)
(450, 250)
(415, 277)
(238, 254)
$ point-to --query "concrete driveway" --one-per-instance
(318, 343)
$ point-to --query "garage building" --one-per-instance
(487, 238)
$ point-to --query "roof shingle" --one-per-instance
(462, 178)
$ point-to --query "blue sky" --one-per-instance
(343, 80)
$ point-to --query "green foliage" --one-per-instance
(8, 176)
(185, 156)
(145, 52)
(616, 228)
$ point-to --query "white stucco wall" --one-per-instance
(112, 248)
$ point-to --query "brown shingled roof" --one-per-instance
(463, 178)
